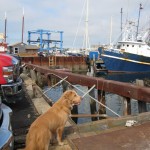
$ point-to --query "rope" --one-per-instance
(55, 84)
(91, 97)
(89, 91)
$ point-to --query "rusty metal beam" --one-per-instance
(123, 89)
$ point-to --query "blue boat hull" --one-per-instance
(125, 62)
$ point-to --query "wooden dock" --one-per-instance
(119, 138)
(106, 134)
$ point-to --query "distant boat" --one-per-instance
(74, 52)
(130, 54)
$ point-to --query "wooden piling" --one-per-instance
(101, 98)
(127, 106)
(33, 75)
(93, 105)
(39, 79)
(49, 80)
(141, 105)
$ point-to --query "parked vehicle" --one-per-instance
(10, 81)
(6, 135)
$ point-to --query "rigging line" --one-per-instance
(91, 97)
(78, 25)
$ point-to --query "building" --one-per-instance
(23, 49)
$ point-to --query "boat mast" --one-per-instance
(5, 34)
(110, 31)
(138, 20)
(22, 26)
(121, 23)
(86, 26)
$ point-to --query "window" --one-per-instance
(118, 46)
(16, 50)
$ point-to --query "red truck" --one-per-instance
(10, 81)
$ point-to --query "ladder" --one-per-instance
(52, 61)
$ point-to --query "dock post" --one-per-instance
(101, 98)
(33, 75)
(127, 106)
(93, 105)
(39, 79)
(65, 86)
(141, 105)
(49, 80)
(25, 70)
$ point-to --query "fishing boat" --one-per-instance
(130, 54)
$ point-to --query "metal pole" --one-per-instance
(41, 39)
(5, 27)
(61, 40)
(29, 37)
(86, 26)
(138, 21)
(22, 26)
(48, 43)
(121, 23)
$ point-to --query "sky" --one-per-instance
(69, 16)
